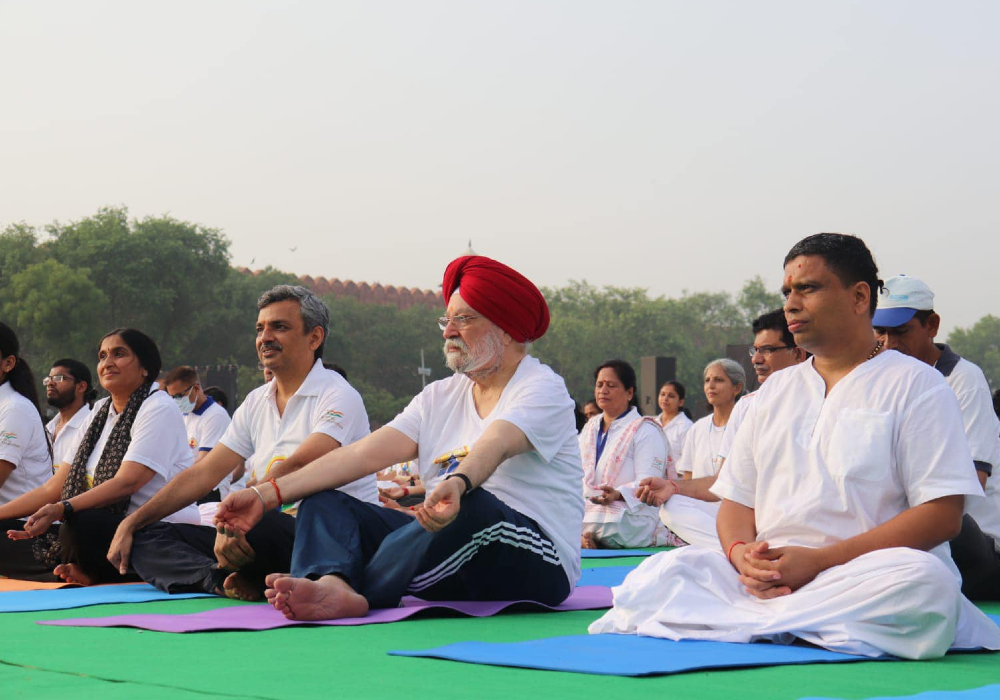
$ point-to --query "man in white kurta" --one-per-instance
(846, 467)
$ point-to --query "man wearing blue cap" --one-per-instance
(905, 321)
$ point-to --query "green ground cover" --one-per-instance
(351, 662)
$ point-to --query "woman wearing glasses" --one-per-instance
(131, 444)
(25, 453)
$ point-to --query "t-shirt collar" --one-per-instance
(948, 360)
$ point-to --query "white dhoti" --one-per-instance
(893, 601)
(641, 529)
(692, 520)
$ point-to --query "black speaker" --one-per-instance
(653, 372)
(741, 353)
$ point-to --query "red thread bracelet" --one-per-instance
(277, 491)
(406, 492)
(677, 489)
(729, 554)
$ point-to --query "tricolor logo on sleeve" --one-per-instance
(8, 438)
(333, 416)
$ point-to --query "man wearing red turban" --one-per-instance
(496, 448)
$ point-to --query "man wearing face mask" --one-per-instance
(205, 420)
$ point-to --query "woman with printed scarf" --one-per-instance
(131, 444)
(25, 454)
(620, 448)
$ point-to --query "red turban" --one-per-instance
(500, 293)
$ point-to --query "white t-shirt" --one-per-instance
(159, 442)
(701, 449)
(543, 484)
(205, 427)
(982, 429)
(23, 444)
(646, 456)
(820, 469)
(324, 403)
(735, 420)
(676, 431)
(66, 437)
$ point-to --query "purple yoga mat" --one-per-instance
(263, 617)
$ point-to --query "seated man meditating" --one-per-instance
(497, 450)
(846, 481)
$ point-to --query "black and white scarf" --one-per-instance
(46, 547)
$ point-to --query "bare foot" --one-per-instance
(238, 588)
(587, 541)
(329, 598)
(71, 573)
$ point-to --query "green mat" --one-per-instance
(351, 662)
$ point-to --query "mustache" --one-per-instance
(270, 346)
(457, 344)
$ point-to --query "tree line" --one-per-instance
(66, 285)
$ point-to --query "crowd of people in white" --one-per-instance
(848, 502)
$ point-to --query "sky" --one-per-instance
(667, 145)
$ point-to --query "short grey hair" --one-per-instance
(315, 312)
(733, 369)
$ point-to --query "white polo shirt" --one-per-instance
(159, 442)
(205, 427)
(982, 428)
(66, 437)
(23, 444)
(543, 484)
(324, 403)
(820, 469)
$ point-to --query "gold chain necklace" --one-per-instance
(878, 347)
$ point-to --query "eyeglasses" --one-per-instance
(182, 393)
(56, 378)
(459, 322)
(767, 350)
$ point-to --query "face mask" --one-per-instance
(185, 404)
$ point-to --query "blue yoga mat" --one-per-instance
(987, 692)
(613, 553)
(604, 576)
(65, 598)
(631, 655)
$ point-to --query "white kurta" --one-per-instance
(817, 470)
(701, 449)
(631, 523)
(733, 426)
(676, 431)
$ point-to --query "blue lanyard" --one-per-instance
(602, 436)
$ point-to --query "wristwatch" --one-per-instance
(67, 508)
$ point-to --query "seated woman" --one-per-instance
(674, 419)
(619, 449)
(129, 447)
(25, 454)
(689, 509)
